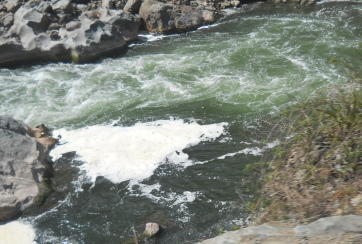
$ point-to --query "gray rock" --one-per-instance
(108, 4)
(334, 224)
(12, 5)
(97, 37)
(8, 20)
(152, 229)
(81, 1)
(320, 231)
(22, 169)
(62, 6)
(81, 8)
(72, 25)
(101, 36)
(44, 7)
(133, 6)
(54, 26)
(168, 18)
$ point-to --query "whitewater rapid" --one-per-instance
(134, 152)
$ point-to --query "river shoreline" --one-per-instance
(230, 72)
(34, 32)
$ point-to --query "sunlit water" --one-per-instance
(161, 134)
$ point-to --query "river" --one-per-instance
(164, 132)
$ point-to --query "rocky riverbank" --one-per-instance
(82, 31)
(337, 229)
(24, 167)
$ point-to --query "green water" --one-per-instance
(258, 59)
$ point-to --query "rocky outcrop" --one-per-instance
(24, 166)
(344, 229)
(301, 2)
(82, 31)
(51, 31)
(168, 18)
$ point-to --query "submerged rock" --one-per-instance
(24, 167)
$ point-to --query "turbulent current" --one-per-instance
(164, 132)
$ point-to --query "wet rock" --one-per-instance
(152, 229)
(23, 169)
(165, 222)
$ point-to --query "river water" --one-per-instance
(164, 132)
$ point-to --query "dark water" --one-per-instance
(182, 106)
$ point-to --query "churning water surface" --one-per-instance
(161, 134)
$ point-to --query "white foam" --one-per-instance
(17, 232)
(253, 151)
(256, 151)
(133, 153)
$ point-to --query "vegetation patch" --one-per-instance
(316, 171)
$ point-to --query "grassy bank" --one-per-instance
(316, 171)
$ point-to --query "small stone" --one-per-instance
(356, 200)
(72, 25)
(54, 26)
(338, 167)
(152, 229)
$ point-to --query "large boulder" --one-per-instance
(24, 167)
(166, 18)
(105, 34)
(34, 38)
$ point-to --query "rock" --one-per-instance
(12, 5)
(357, 200)
(334, 224)
(168, 18)
(72, 25)
(108, 4)
(7, 21)
(23, 169)
(80, 8)
(98, 37)
(36, 20)
(54, 26)
(133, 6)
(152, 229)
(345, 228)
(82, 40)
(81, 1)
(44, 7)
(62, 6)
